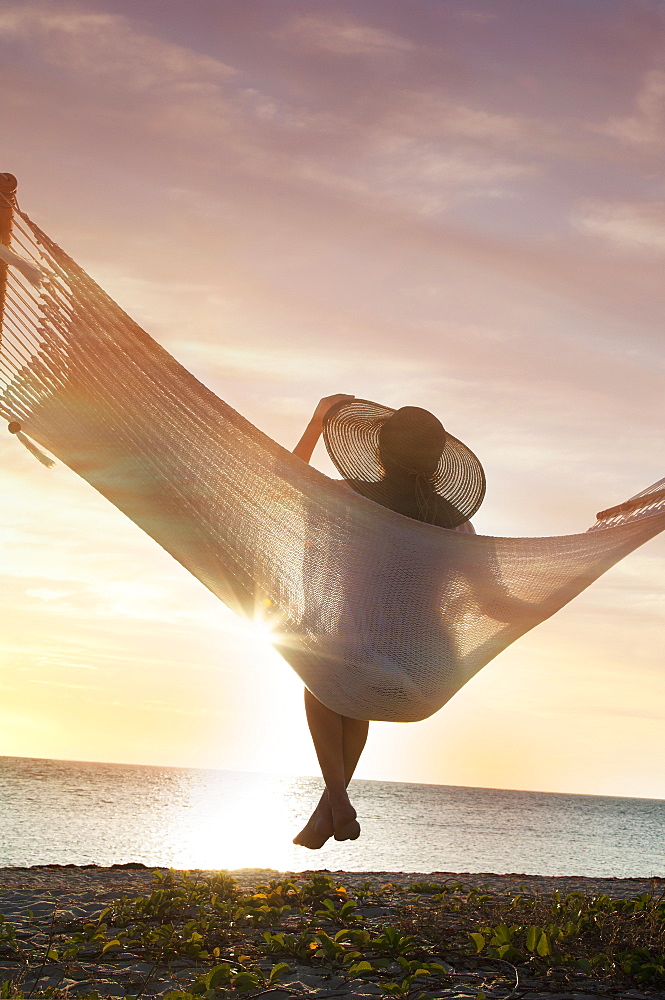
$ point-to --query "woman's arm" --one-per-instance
(307, 442)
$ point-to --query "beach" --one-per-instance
(75, 930)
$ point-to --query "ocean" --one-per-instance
(72, 812)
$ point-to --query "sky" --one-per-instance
(451, 204)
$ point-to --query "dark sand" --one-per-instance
(63, 898)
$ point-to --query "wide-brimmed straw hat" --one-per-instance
(404, 459)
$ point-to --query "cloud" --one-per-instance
(47, 593)
(431, 113)
(99, 68)
(51, 682)
(474, 16)
(105, 46)
(278, 364)
(339, 34)
(629, 226)
(646, 126)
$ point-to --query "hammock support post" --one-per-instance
(8, 185)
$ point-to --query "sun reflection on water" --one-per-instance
(250, 825)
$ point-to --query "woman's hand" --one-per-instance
(327, 403)
(307, 442)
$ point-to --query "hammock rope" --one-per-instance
(382, 617)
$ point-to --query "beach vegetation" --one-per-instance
(435, 888)
(595, 936)
(366, 892)
(420, 939)
(262, 914)
(8, 939)
(319, 887)
(413, 973)
(281, 891)
(244, 980)
(643, 966)
(295, 945)
(343, 914)
(331, 949)
(391, 942)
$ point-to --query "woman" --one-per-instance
(404, 460)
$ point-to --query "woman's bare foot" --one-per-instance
(338, 821)
(319, 827)
(345, 824)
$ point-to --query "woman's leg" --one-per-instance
(338, 742)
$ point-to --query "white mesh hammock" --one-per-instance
(381, 616)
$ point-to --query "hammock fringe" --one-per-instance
(34, 450)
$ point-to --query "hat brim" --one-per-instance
(351, 432)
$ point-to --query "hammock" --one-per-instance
(382, 617)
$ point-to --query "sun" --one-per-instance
(265, 622)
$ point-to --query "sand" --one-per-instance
(63, 898)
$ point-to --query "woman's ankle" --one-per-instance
(341, 806)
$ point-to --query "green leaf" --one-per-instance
(199, 986)
(502, 935)
(436, 967)
(109, 945)
(218, 975)
(504, 951)
(351, 956)
(245, 981)
(360, 967)
(479, 941)
(532, 937)
(544, 948)
(53, 955)
(277, 972)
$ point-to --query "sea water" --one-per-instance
(66, 812)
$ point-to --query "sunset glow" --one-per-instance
(457, 206)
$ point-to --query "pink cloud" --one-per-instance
(342, 35)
